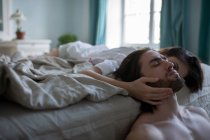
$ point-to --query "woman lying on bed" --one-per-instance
(187, 65)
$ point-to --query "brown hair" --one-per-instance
(194, 78)
(130, 69)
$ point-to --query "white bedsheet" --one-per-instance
(200, 98)
(107, 120)
(44, 82)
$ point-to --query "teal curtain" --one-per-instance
(177, 28)
(98, 10)
(204, 39)
(172, 23)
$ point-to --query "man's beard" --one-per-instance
(176, 85)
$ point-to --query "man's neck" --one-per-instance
(167, 109)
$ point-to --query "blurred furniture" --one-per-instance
(28, 47)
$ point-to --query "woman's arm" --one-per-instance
(137, 89)
(54, 52)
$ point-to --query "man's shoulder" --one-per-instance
(196, 110)
(144, 119)
(146, 131)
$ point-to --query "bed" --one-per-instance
(44, 97)
(86, 120)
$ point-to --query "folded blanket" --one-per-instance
(45, 82)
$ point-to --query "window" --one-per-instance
(140, 23)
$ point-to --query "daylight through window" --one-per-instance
(137, 24)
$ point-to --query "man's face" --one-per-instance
(154, 64)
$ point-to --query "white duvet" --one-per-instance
(45, 82)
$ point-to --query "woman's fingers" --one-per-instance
(154, 102)
(141, 91)
(149, 79)
(150, 89)
(156, 90)
(161, 96)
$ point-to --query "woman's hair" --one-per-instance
(194, 78)
(130, 70)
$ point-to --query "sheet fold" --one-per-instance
(45, 82)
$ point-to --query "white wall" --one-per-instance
(48, 19)
(78, 18)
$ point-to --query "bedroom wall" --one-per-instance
(48, 19)
(79, 19)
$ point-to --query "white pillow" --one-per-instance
(79, 50)
(200, 98)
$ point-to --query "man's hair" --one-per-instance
(129, 70)
(194, 78)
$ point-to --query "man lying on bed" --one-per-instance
(167, 120)
(112, 59)
(187, 65)
(177, 118)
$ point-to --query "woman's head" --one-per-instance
(188, 66)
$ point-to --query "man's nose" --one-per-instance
(169, 64)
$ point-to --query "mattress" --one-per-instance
(86, 120)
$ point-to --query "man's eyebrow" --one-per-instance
(155, 59)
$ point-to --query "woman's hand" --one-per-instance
(137, 89)
(141, 91)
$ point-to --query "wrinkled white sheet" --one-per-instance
(107, 120)
(82, 51)
(44, 82)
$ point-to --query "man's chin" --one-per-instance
(176, 84)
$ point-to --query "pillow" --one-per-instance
(200, 98)
(79, 50)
